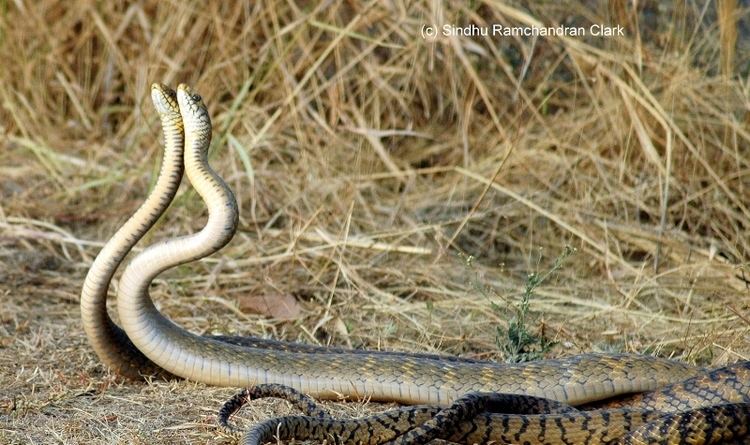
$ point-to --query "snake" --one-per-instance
(109, 341)
(148, 342)
(713, 407)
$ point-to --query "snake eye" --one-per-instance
(196, 97)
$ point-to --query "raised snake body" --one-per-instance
(230, 362)
(111, 344)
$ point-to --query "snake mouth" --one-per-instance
(164, 98)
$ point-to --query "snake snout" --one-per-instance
(164, 98)
(189, 93)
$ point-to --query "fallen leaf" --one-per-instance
(280, 307)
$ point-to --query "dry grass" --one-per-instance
(365, 159)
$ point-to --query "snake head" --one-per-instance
(193, 110)
(164, 99)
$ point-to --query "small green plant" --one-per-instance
(518, 343)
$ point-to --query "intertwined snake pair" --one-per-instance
(148, 343)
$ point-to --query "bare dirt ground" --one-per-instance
(396, 189)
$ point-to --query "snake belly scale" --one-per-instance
(161, 345)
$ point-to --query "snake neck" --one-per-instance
(223, 214)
